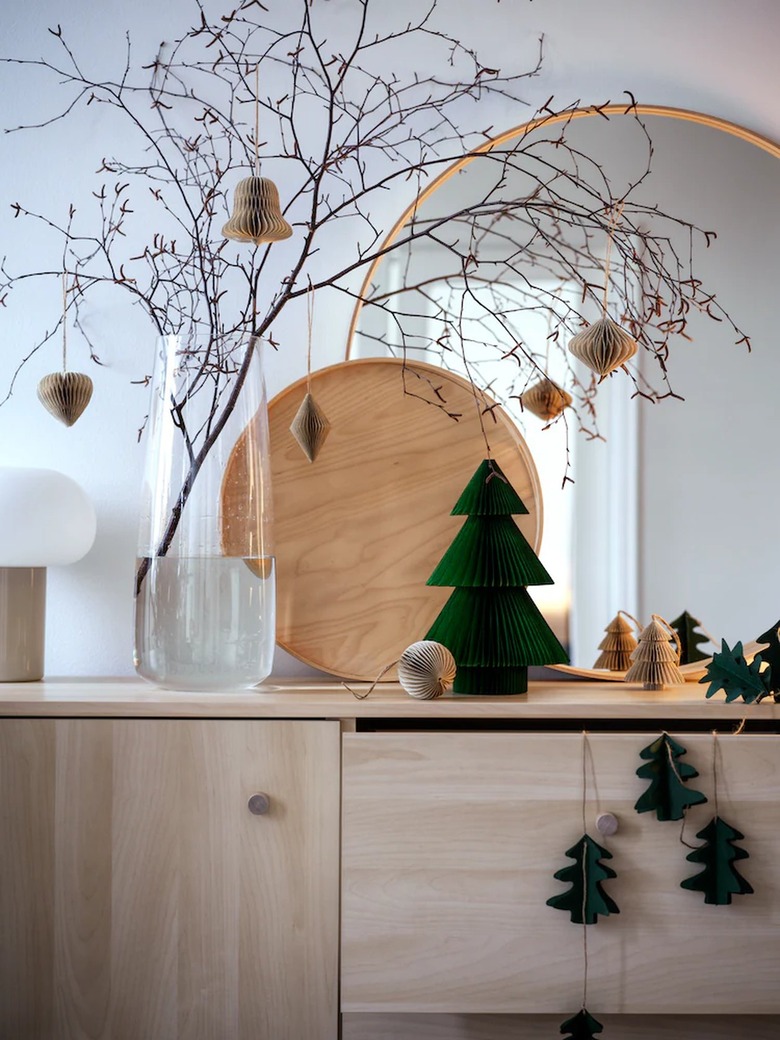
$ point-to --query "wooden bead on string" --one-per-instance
(545, 399)
(603, 346)
(426, 669)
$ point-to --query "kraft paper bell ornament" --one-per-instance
(257, 215)
(545, 399)
(603, 346)
(426, 669)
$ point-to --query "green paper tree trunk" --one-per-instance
(490, 624)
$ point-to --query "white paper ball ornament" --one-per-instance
(426, 669)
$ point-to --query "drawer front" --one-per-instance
(450, 843)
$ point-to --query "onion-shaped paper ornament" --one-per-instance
(65, 395)
(603, 346)
(310, 427)
(545, 399)
(257, 214)
(426, 669)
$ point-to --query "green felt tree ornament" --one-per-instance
(586, 899)
(490, 624)
(730, 672)
(582, 1026)
(720, 879)
(772, 657)
(667, 794)
(686, 628)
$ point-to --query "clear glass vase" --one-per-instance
(205, 579)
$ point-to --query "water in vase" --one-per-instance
(206, 623)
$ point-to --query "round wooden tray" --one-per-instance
(358, 532)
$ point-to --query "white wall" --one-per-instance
(716, 56)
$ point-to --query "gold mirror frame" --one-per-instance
(694, 671)
(684, 114)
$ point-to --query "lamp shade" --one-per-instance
(45, 518)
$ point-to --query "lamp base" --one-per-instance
(22, 623)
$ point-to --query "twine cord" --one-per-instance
(715, 753)
(310, 323)
(257, 120)
(614, 217)
(64, 321)
(675, 770)
(372, 687)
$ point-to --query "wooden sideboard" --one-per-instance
(389, 883)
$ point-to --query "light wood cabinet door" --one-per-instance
(450, 843)
(140, 899)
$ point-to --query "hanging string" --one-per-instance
(64, 321)
(310, 323)
(715, 753)
(614, 218)
(257, 120)
(584, 874)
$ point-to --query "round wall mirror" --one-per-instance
(671, 503)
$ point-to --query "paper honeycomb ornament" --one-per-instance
(545, 399)
(257, 214)
(655, 660)
(616, 646)
(426, 669)
(310, 427)
(603, 346)
(65, 395)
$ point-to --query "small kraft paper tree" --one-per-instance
(490, 624)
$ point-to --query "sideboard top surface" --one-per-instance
(287, 698)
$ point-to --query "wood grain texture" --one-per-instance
(141, 898)
(450, 844)
(552, 701)
(534, 1027)
(359, 532)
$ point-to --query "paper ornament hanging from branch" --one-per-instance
(310, 426)
(729, 671)
(546, 400)
(686, 626)
(617, 645)
(257, 212)
(719, 879)
(490, 624)
(585, 900)
(65, 394)
(667, 794)
(582, 1026)
(655, 660)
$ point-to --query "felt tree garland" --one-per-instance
(771, 655)
(582, 1026)
(719, 879)
(729, 671)
(667, 794)
(686, 628)
(490, 624)
(586, 899)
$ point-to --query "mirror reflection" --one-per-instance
(659, 483)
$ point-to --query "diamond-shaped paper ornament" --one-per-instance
(310, 427)
(603, 346)
(546, 399)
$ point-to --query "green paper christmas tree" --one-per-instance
(667, 794)
(490, 624)
(729, 671)
(720, 879)
(582, 1026)
(686, 628)
(586, 899)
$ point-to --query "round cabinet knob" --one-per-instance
(259, 804)
(607, 824)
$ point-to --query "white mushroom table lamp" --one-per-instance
(46, 519)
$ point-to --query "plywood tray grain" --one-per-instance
(358, 532)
